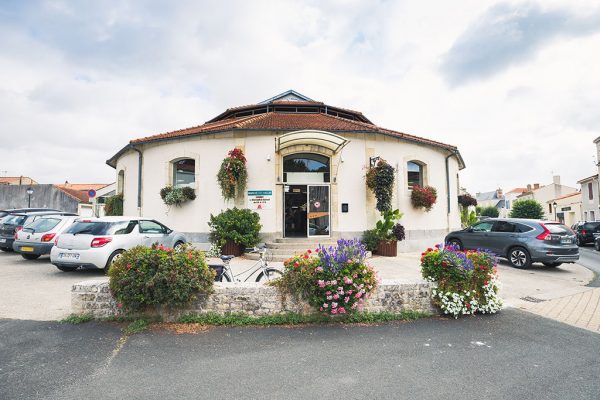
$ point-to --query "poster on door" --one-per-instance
(260, 199)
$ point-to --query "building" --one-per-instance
(306, 161)
(590, 205)
(17, 180)
(494, 199)
(567, 209)
(544, 194)
(89, 206)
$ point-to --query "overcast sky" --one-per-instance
(515, 85)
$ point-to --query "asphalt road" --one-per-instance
(590, 258)
(512, 355)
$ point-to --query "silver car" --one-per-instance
(98, 242)
(520, 241)
(37, 238)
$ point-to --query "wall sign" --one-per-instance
(260, 199)
(566, 209)
(344, 207)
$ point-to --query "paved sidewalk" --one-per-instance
(581, 309)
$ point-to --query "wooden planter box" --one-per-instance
(231, 249)
(387, 248)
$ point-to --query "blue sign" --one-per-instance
(260, 193)
(91, 193)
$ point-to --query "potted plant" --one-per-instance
(176, 196)
(380, 180)
(234, 229)
(423, 197)
(383, 239)
(233, 175)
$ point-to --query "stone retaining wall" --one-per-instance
(94, 298)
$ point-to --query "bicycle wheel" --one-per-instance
(268, 275)
(225, 277)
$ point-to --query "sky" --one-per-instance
(515, 85)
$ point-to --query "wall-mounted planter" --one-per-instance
(231, 249)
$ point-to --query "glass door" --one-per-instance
(318, 211)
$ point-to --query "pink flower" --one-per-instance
(334, 305)
(319, 269)
(321, 309)
(329, 297)
(321, 283)
(346, 299)
(325, 305)
(349, 292)
(309, 251)
(327, 293)
(354, 306)
(334, 311)
(342, 310)
(355, 276)
(119, 305)
(347, 280)
(358, 295)
(340, 289)
(335, 296)
(334, 282)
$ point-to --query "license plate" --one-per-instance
(2, 240)
(566, 241)
(26, 248)
(72, 256)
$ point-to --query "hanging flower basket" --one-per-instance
(233, 175)
(380, 180)
(423, 197)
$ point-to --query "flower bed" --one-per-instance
(334, 280)
(466, 280)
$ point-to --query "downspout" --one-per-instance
(139, 190)
(448, 188)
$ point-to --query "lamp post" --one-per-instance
(29, 193)
(554, 205)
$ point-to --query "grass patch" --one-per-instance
(75, 319)
(136, 326)
(240, 319)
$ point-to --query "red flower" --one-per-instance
(468, 305)
(296, 264)
(309, 251)
(306, 256)
(485, 282)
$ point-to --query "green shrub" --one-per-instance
(113, 205)
(385, 229)
(156, 276)
(371, 239)
(490, 211)
(241, 226)
(528, 208)
(467, 218)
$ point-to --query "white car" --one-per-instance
(37, 238)
(98, 242)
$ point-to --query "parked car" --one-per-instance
(98, 242)
(4, 213)
(585, 231)
(521, 241)
(14, 222)
(37, 238)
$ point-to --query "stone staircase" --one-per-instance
(283, 248)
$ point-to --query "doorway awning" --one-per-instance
(328, 140)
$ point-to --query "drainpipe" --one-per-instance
(139, 190)
(448, 187)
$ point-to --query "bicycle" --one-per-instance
(262, 265)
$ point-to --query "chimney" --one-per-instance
(556, 179)
(529, 187)
(536, 186)
(499, 192)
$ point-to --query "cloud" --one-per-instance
(508, 34)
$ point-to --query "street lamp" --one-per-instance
(554, 204)
(29, 193)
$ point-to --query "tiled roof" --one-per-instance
(82, 186)
(588, 178)
(76, 194)
(567, 196)
(517, 190)
(16, 180)
(288, 122)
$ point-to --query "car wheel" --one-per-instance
(30, 256)
(113, 257)
(552, 264)
(456, 243)
(66, 269)
(597, 245)
(518, 257)
(578, 241)
(178, 245)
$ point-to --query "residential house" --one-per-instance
(494, 198)
(89, 206)
(590, 205)
(567, 209)
(17, 180)
(544, 194)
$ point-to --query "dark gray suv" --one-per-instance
(520, 241)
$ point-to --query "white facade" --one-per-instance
(590, 205)
(265, 173)
(544, 194)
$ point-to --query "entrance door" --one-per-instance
(318, 210)
(295, 211)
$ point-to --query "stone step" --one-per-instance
(295, 246)
(285, 251)
(306, 240)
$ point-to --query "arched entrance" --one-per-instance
(306, 197)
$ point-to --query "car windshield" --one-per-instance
(14, 219)
(558, 229)
(99, 228)
(42, 225)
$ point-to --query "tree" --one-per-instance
(490, 211)
(528, 208)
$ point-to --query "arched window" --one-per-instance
(120, 182)
(415, 173)
(306, 168)
(184, 173)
